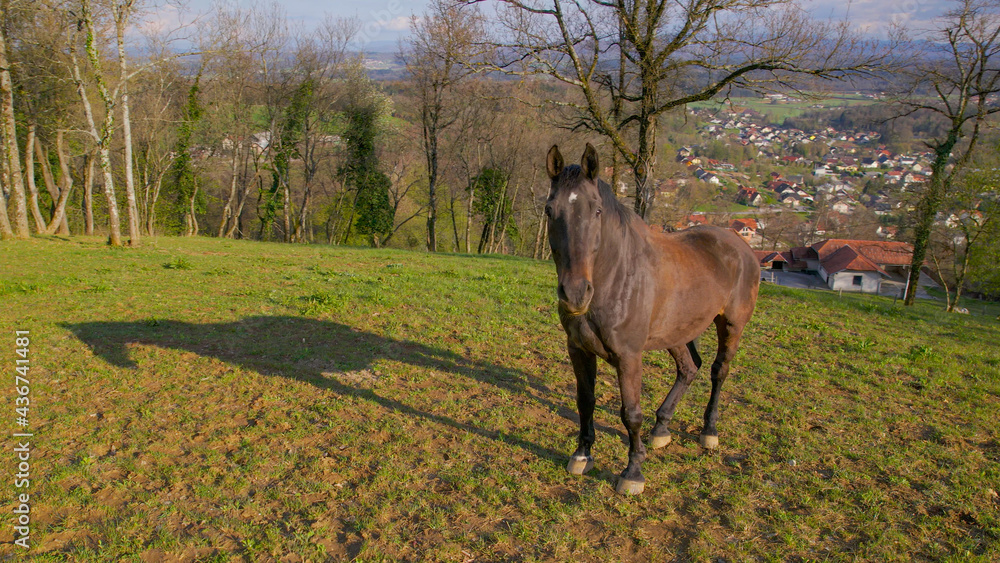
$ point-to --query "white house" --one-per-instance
(849, 270)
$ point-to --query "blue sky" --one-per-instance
(388, 20)
(918, 15)
(382, 20)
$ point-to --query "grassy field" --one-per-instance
(232, 401)
(777, 112)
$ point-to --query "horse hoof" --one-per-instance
(629, 487)
(578, 465)
(657, 442)
(709, 442)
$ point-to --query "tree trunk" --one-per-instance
(50, 185)
(546, 250)
(615, 171)
(454, 224)
(157, 187)
(300, 227)
(103, 137)
(122, 10)
(643, 166)
(961, 268)
(507, 218)
(483, 237)
(468, 221)
(11, 152)
(926, 210)
(29, 173)
(5, 231)
(59, 217)
(334, 224)
(286, 195)
(114, 221)
(234, 226)
(948, 305)
(191, 216)
(350, 219)
(88, 194)
(227, 211)
(430, 144)
(538, 238)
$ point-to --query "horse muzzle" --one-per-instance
(575, 296)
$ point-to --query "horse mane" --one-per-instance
(612, 204)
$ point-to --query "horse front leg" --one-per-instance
(629, 368)
(585, 368)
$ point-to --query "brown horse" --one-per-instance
(624, 288)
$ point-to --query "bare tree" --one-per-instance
(973, 208)
(249, 38)
(156, 98)
(956, 78)
(11, 156)
(631, 61)
(440, 42)
(321, 57)
(401, 161)
(102, 137)
(121, 11)
(477, 126)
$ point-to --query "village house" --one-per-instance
(843, 205)
(790, 199)
(693, 220)
(747, 229)
(749, 196)
(852, 265)
(886, 231)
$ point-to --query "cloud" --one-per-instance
(160, 20)
(399, 23)
(876, 15)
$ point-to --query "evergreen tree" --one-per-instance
(373, 214)
(188, 201)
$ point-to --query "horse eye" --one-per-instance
(598, 211)
(548, 211)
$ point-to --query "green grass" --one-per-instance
(219, 400)
(777, 112)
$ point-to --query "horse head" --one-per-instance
(574, 210)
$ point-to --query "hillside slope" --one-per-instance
(206, 399)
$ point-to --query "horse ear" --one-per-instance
(554, 162)
(589, 162)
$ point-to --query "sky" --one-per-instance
(385, 21)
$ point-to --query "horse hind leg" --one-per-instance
(729, 340)
(688, 361)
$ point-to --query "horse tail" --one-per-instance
(694, 355)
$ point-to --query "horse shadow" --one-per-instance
(310, 350)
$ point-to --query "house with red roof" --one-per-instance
(747, 229)
(692, 220)
(849, 270)
(748, 196)
(773, 260)
(855, 265)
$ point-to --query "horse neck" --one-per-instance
(622, 246)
